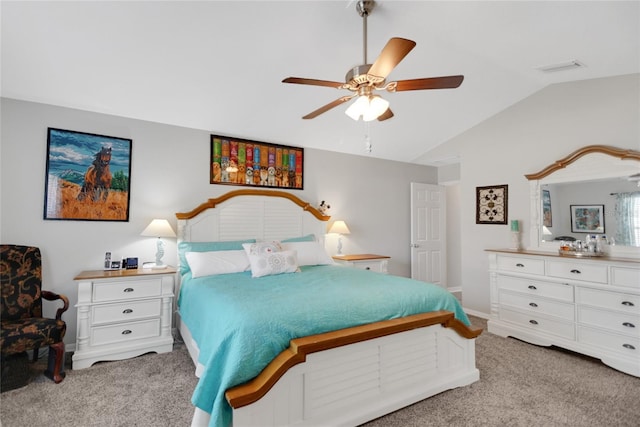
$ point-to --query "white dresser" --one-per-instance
(122, 314)
(587, 305)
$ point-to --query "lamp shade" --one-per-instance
(339, 227)
(158, 228)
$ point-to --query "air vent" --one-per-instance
(561, 67)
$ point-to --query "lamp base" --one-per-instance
(159, 267)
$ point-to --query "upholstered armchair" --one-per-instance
(23, 327)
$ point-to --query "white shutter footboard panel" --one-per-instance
(352, 384)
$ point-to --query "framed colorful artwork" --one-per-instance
(587, 218)
(87, 176)
(237, 161)
(491, 204)
(547, 219)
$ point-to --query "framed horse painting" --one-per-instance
(87, 176)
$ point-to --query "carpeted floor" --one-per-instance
(520, 385)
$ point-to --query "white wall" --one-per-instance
(523, 139)
(169, 174)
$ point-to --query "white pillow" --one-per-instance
(272, 263)
(217, 262)
(260, 248)
(309, 253)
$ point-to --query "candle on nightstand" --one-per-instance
(515, 226)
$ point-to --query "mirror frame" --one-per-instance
(592, 170)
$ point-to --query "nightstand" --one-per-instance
(123, 314)
(364, 261)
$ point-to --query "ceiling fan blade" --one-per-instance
(393, 52)
(328, 107)
(313, 82)
(386, 115)
(447, 82)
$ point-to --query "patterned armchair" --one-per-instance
(23, 327)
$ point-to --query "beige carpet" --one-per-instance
(520, 385)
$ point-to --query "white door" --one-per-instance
(428, 233)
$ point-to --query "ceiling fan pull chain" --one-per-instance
(367, 138)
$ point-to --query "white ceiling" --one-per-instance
(218, 65)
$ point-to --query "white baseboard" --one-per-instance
(476, 313)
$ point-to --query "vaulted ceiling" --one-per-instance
(218, 65)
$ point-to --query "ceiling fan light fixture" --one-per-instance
(370, 107)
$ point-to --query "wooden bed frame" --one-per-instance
(339, 378)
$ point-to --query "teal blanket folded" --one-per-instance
(241, 323)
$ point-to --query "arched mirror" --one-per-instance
(594, 190)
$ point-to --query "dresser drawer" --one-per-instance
(557, 291)
(538, 305)
(132, 310)
(578, 271)
(622, 276)
(609, 300)
(610, 341)
(535, 322)
(619, 322)
(130, 331)
(369, 265)
(126, 289)
(521, 265)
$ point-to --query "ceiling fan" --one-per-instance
(362, 80)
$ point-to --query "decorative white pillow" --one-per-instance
(217, 262)
(309, 253)
(272, 263)
(260, 248)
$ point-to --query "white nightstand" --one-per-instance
(364, 261)
(123, 314)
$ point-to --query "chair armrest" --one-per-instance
(51, 296)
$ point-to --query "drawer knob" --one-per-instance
(126, 332)
(533, 304)
(575, 271)
(519, 265)
(127, 311)
(533, 288)
(367, 268)
(628, 303)
(533, 322)
(128, 290)
(629, 325)
(629, 346)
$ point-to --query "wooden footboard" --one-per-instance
(350, 376)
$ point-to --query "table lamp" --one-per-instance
(159, 228)
(339, 228)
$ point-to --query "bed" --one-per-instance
(280, 335)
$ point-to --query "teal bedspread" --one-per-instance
(240, 323)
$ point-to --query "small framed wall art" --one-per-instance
(87, 176)
(237, 161)
(491, 204)
(587, 218)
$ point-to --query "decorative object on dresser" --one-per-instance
(237, 161)
(123, 314)
(442, 346)
(87, 177)
(371, 262)
(159, 228)
(515, 234)
(590, 306)
(492, 204)
(339, 228)
(23, 327)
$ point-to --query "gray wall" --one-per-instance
(170, 174)
(524, 139)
